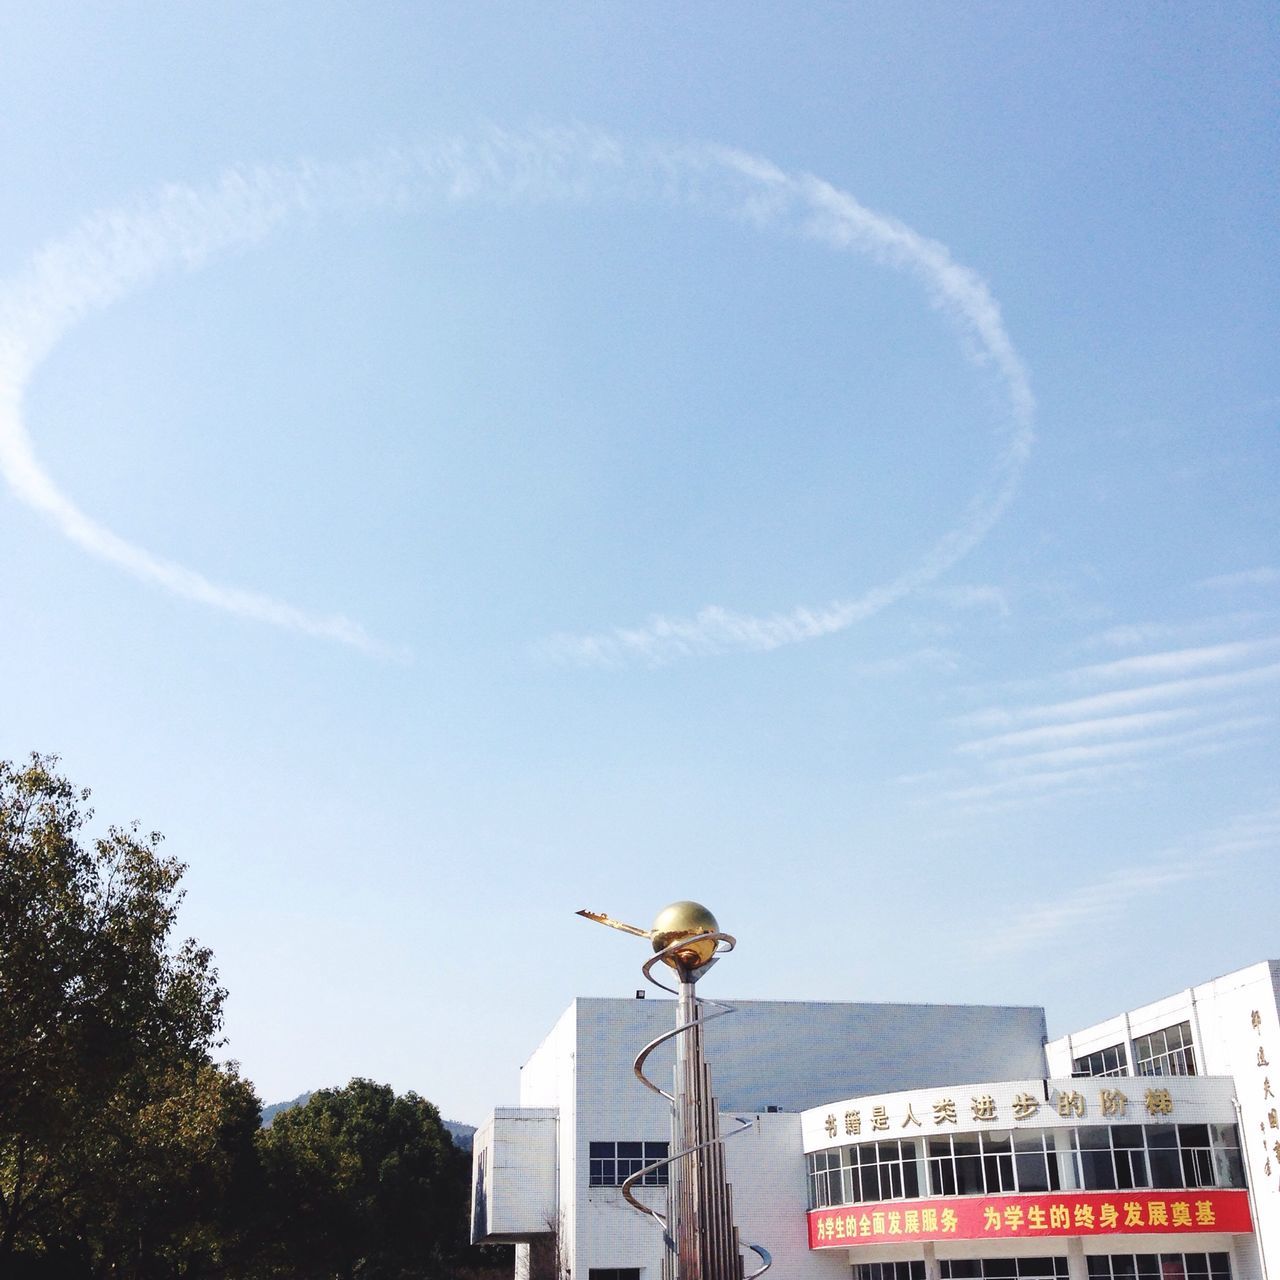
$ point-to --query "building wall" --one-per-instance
(514, 1173)
(1229, 1041)
(547, 1079)
(785, 1054)
(766, 1169)
(1039, 1109)
(794, 1054)
(771, 1061)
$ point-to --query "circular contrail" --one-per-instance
(112, 253)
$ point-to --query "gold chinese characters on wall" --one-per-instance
(1110, 1103)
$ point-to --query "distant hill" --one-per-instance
(270, 1113)
(459, 1132)
(462, 1133)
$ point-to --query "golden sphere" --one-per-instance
(685, 920)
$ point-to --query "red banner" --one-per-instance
(1055, 1213)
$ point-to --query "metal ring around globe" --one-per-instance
(724, 944)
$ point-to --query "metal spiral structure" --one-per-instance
(698, 1227)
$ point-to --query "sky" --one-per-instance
(463, 463)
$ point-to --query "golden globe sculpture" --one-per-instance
(702, 1241)
(675, 922)
(685, 920)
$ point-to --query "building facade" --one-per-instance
(913, 1142)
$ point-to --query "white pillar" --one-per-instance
(1077, 1268)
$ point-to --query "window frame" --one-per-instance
(1156, 1054)
(889, 1167)
(1111, 1061)
(607, 1166)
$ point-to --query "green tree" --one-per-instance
(122, 1144)
(364, 1185)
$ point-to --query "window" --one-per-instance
(1197, 1159)
(1228, 1168)
(1111, 1061)
(612, 1163)
(1036, 1162)
(1160, 1266)
(613, 1273)
(1129, 1150)
(1165, 1053)
(1134, 1155)
(889, 1271)
(826, 1186)
(863, 1174)
(992, 1162)
(1004, 1269)
(1112, 1158)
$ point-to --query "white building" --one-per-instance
(915, 1142)
(1227, 1028)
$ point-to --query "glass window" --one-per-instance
(826, 1184)
(1228, 1169)
(1162, 1152)
(1130, 1152)
(942, 1168)
(1160, 1266)
(1129, 1155)
(1052, 1268)
(610, 1164)
(997, 1162)
(1111, 1061)
(889, 1271)
(863, 1174)
(1036, 1162)
(1197, 1158)
(993, 1161)
(1168, 1052)
(1097, 1169)
(968, 1159)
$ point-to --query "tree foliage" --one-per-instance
(365, 1184)
(126, 1150)
(118, 1134)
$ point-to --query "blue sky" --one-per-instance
(465, 463)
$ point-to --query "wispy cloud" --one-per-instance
(811, 208)
(1263, 576)
(1109, 898)
(1120, 700)
(928, 659)
(1163, 744)
(1112, 897)
(180, 228)
(973, 597)
(1162, 707)
(106, 257)
(1040, 783)
(1175, 662)
(1144, 634)
(1049, 735)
